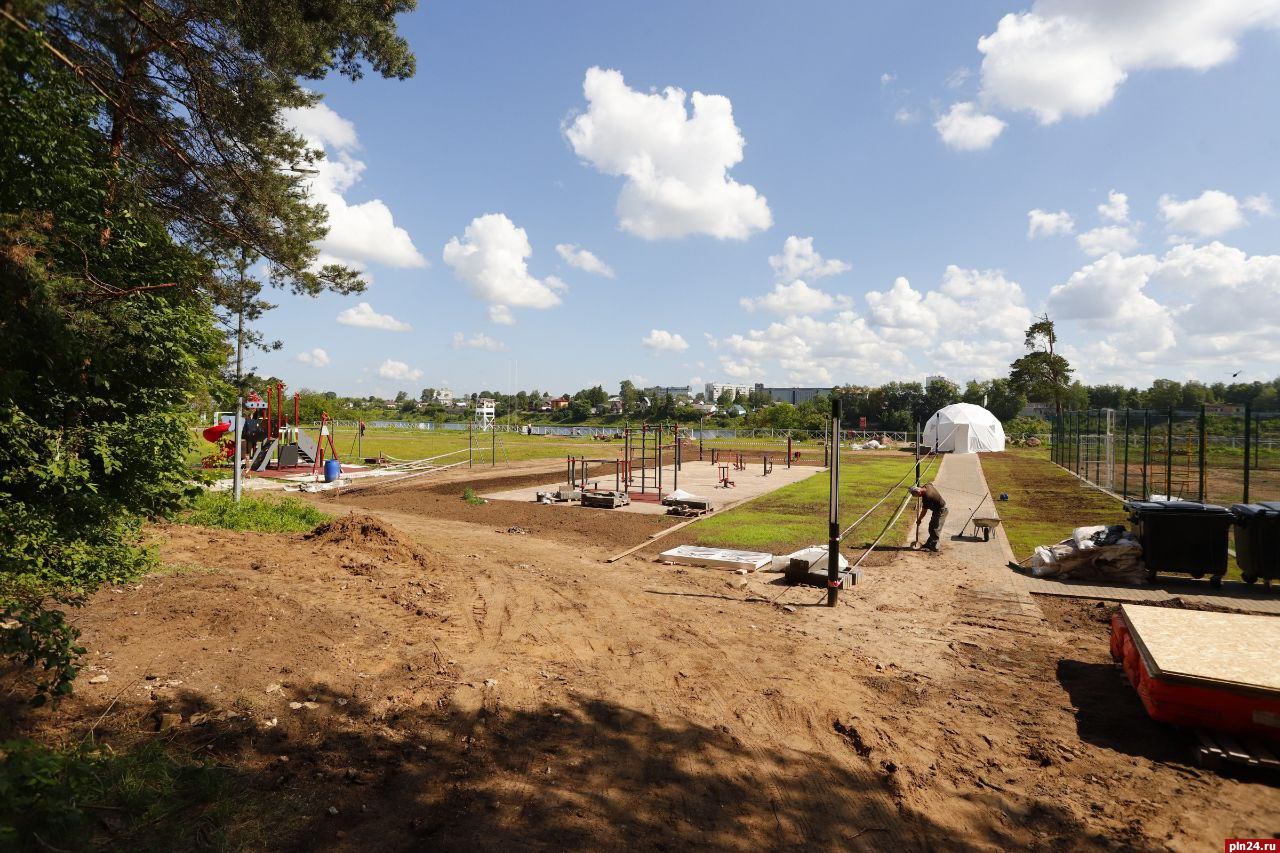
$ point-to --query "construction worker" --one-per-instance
(931, 500)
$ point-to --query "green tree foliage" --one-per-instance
(100, 349)
(997, 396)
(937, 394)
(1042, 375)
(189, 95)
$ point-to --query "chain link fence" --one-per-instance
(1215, 454)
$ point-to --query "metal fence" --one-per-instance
(763, 434)
(1214, 454)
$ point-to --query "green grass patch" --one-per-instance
(796, 515)
(143, 798)
(1045, 502)
(262, 514)
(469, 495)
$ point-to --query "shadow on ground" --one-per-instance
(584, 774)
(1110, 715)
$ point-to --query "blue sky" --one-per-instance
(903, 158)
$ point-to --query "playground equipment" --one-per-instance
(271, 441)
(638, 473)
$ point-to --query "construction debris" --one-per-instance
(605, 499)
(717, 558)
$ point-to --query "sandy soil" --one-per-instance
(475, 689)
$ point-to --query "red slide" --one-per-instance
(214, 433)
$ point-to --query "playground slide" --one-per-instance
(215, 433)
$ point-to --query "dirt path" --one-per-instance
(476, 690)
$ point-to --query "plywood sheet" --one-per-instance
(1214, 649)
(723, 558)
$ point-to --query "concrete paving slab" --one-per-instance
(699, 478)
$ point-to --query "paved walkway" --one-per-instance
(962, 485)
(961, 482)
(1233, 594)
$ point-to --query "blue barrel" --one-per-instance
(332, 468)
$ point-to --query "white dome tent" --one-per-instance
(964, 428)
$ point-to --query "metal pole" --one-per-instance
(470, 442)
(1146, 453)
(1098, 427)
(1248, 419)
(493, 445)
(1168, 457)
(1202, 446)
(237, 476)
(833, 517)
(1125, 490)
(675, 474)
(917, 453)
(1075, 433)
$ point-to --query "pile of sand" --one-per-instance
(365, 536)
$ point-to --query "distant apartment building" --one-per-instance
(676, 391)
(936, 377)
(715, 389)
(1037, 410)
(794, 396)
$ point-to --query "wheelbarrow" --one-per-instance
(986, 525)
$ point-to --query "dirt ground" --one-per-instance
(460, 688)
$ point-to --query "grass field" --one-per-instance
(264, 514)
(796, 515)
(1046, 502)
(409, 443)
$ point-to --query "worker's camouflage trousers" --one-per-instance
(936, 520)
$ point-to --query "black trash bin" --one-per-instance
(1184, 537)
(1258, 540)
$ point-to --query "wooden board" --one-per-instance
(1235, 650)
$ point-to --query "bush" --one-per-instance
(264, 515)
(53, 798)
(1019, 429)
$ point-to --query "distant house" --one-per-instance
(705, 408)
(390, 404)
(616, 406)
(561, 402)
(737, 411)
(1037, 410)
(1223, 409)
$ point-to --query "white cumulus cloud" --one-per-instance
(795, 298)
(477, 341)
(314, 358)
(1107, 238)
(1259, 204)
(1115, 208)
(1069, 57)
(491, 259)
(676, 164)
(972, 325)
(965, 127)
(799, 260)
(362, 315)
(392, 369)
(1212, 213)
(359, 233)
(791, 294)
(661, 340)
(583, 259)
(1042, 223)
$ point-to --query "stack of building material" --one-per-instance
(1203, 670)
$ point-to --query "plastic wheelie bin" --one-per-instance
(1258, 540)
(1183, 537)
